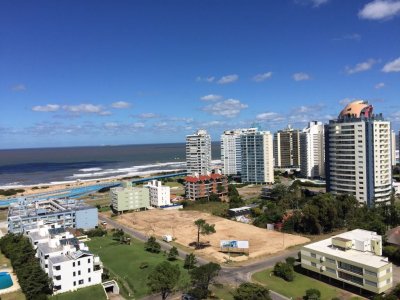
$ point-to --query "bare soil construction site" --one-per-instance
(180, 225)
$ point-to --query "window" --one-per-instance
(73, 264)
(88, 260)
(88, 270)
(313, 264)
(46, 266)
(89, 279)
(351, 278)
(79, 272)
(330, 260)
(58, 268)
(371, 273)
(74, 274)
(372, 283)
(81, 281)
(313, 255)
(74, 283)
(350, 268)
(331, 270)
(46, 257)
(79, 262)
(388, 280)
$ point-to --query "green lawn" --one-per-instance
(123, 261)
(173, 184)
(223, 292)
(91, 292)
(298, 287)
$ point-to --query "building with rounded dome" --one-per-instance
(358, 158)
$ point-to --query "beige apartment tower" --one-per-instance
(287, 148)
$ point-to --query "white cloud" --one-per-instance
(137, 125)
(361, 67)
(211, 97)
(301, 76)
(18, 87)
(205, 79)
(380, 85)
(392, 66)
(262, 77)
(228, 79)
(111, 125)
(345, 101)
(121, 104)
(213, 124)
(314, 3)
(147, 116)
(380, 10)
(270, 117)
(46, 108)
(227, 108)
(86, 108)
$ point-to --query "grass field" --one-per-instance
(298, 287)
(215, 208)
(3, 214)
(123, 262)
(91, 292)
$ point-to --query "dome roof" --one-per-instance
(357, 109)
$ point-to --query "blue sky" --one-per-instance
(129, 72)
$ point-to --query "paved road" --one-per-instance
(228, 275)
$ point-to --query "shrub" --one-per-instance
(284, 270)
(312, 294)
(290, 260)
(96, 232)
(144, 265)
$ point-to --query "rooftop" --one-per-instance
(31, 208)
(357, 109)
(362, 257)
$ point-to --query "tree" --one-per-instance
(232, 191)
(173, 253)
(213, 198)
(251, 291)
(202, 277)
(190, 261)
(312, 294)
(152, 245)
(118, 234)
(279, 191)
(164, 279)
(284, 270)
(203, 228)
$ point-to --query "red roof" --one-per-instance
(203, 178)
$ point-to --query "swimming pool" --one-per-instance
(5, 280)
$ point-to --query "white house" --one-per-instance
(159, 194)
(65, 259)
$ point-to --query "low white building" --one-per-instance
(65, 259)
(159, 195)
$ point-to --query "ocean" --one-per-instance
(19, 167)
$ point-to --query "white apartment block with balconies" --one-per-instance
(358, 154)
(257, 157)
(231, 153)
(198, 153)
(354, 258)
(312, 151)
(65, 259)
(160, 195)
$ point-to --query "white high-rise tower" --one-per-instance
(312, 151)
(198, 152)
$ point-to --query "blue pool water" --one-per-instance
(5, 280)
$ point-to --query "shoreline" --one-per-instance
(31, 190)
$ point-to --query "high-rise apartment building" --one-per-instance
(198, 153)
(257, 156)
(287, 148)
(358, 154)
(231, 153)
(393, 147)
(312, 151)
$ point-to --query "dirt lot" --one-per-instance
(180, 225)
